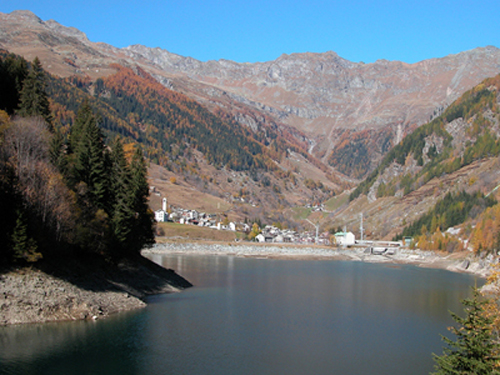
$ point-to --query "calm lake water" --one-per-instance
(258, 316)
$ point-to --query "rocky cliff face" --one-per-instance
(328, 98)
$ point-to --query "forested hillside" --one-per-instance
(175, 131)
(201, 148)
(450, 164)
(61, 196)
(139, 108)
(134, 105)
(467, 131)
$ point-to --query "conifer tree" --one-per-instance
(13, 71)
(87, 146)
(122, 219)
(120, 173)
(34, 98)
(474, 350)
(56, 151)
(23, 246)
(143, 231)
(98, 177)
(84, 116)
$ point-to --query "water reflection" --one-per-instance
(255, 316)
(275, 316)
(83, 347)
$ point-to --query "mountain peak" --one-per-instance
(25, 15)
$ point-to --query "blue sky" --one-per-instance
(250, 31)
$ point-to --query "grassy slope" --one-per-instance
(180, 232)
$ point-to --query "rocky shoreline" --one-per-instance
(81, 290)
(464, 262)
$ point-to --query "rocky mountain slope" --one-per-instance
(457, 151)
(351, 113)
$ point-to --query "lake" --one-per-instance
(258, 316)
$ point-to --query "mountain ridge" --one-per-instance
(321, 94)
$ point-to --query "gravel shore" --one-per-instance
(81, 290)
(461, 262)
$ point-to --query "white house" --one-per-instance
(260, 238)
(344, 239)
(162, 215)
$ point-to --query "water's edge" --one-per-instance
(464, 262)
(34, 296)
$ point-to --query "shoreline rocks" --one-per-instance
(32, 296)
(81, 290)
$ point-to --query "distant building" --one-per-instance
(408, 241)
(162, 215)
(344, 239)
(279, 238)
(260, 238)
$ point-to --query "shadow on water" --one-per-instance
(82, 347)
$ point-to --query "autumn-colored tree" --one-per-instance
(485, 235)
(55, 193)
(35, 186)
(254, 232)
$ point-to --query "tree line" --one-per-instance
(452, 210)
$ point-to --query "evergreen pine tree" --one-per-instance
(474, 350)
(84, 116)
(123, 216)
(120, 172)
(143, 230)
(23, 246)
(56, 152)
(89, 158)
(13, 71)
(98, 177)
(34, 98)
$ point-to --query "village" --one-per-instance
(268, 234)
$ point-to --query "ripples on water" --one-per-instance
(254, 316)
